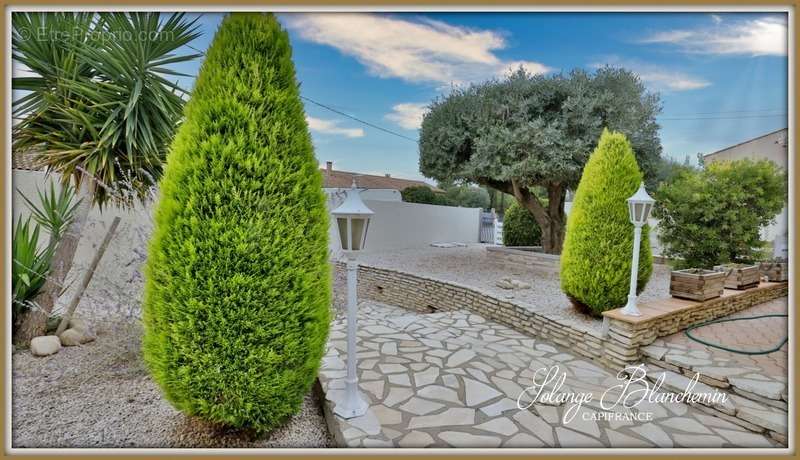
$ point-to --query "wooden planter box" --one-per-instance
(775, 271)
(696, 284)
(740, 276)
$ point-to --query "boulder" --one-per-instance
(82, 326)
(72, 337)
(45, 345)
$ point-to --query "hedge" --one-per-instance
(520, 228)
(596, 260)
(237, 293)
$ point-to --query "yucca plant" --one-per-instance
(30, 262)
(102, 103)
(29, 265)
(55, 211)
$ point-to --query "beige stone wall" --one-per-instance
(632, 336)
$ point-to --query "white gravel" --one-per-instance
(100, 395)
(471, 266)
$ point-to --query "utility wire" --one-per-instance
(741, 117)
(327, 107)
(358, 119)
(744, 114)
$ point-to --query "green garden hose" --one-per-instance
(688, 332)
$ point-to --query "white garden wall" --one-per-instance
(400, 225)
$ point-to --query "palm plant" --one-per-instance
(100, 111)
(100, 104)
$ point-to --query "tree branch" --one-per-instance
(531, 203)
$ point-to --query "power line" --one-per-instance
(723, 112)
(359, 120)
(327, 107)
(742, 117)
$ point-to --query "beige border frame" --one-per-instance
(788, 6)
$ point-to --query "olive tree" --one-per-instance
(528, 131)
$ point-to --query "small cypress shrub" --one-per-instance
(520, 228)
(237, 294)
(596, 260)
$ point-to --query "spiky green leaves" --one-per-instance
(238, 282)
(596, 261)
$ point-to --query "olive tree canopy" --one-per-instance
(535, 131)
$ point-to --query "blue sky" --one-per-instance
(722, 77)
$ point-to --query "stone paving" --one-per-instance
(756, 384)
(453, 380)
(747, 335)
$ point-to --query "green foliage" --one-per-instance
(667, 170)
(520, 228)
(596, 261)
(30, 265)
(713, 216)
(421, 194)
(529, 130)
(237, 293)
(55, 211)
(31, 262)
(535, 127)
(466, 196)
(102, 102)
(454, 195)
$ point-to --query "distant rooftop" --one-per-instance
(344, 179)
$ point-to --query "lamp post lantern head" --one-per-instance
(352, 221)
(639, 206)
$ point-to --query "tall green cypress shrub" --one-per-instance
(237, 294)
(596, 260)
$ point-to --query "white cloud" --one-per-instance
(656, 77)
(332, 127)
(408, 115)
(423, 51)
(765, 36)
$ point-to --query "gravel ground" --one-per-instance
(100, 395)
(471, 266)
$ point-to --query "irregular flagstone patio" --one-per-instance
(452, 380)
(757, 384)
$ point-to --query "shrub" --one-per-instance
(31, 259)
(237, 294)
(520, 228)
(714, 215)
(467, 196)
(30, 266)
(596, 261)
(421, 194)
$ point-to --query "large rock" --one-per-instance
(45, 345)
(72, 337)
(82, 326)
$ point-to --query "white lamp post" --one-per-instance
(352, 222)
(639, 206)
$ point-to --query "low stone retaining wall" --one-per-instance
(427, 295)
(522, 256)
(668, 316)
(618, 348)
